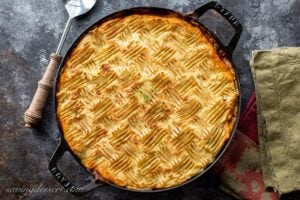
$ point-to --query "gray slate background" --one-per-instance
(30, 31)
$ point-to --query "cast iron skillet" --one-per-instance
(223, 51)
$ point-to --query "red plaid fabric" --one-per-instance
(240, 167)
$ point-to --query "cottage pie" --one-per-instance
(146, 101)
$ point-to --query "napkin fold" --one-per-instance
(264, 152)
(276, 76)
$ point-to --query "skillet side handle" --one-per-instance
(63, 180)
(228, 16)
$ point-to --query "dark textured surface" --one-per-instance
(30, 31)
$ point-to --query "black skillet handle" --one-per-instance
(63, 180)
(228, 16)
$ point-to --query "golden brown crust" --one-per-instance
(146, 101)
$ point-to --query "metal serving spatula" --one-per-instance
(33, 115)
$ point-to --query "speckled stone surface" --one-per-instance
(30, 31)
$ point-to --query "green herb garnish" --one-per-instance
(145, 96)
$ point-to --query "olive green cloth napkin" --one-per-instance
(276, 76)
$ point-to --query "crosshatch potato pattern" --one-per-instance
(145, 101)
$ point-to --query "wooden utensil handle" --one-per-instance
(34, 113)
